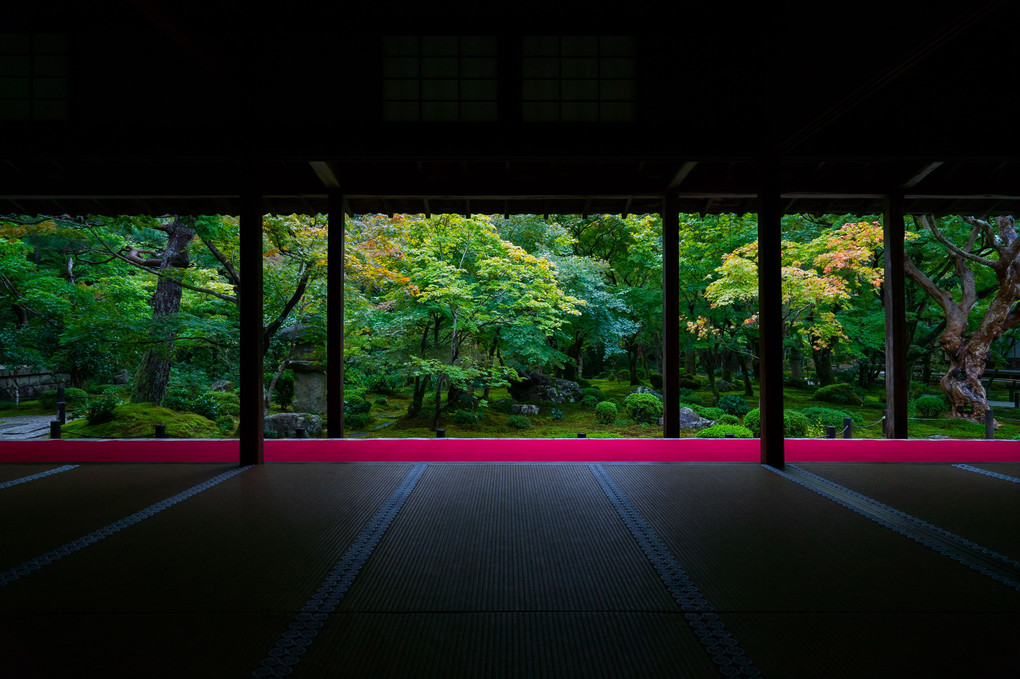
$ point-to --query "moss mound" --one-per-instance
(139, 420)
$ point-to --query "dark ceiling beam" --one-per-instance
(920, 175)
(682, 174)
(324, 171)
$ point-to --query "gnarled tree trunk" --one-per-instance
(967, 354)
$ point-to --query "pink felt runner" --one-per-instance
(509, 450)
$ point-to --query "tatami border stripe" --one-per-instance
(49, 557)
(997, 566)
(729, 657)
(994, 475)
(288, 650)
(33, 477)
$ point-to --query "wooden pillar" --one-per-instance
(335, 318)
(770, 315)
(670, 318)
(897, 380)
(252, 388)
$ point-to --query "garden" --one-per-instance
(490, 326)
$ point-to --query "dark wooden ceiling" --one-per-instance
(170, 101)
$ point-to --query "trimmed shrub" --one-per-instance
(356, 404)
(594, 391)
(643, 407)
(504, 405)
(466, 417)
(708, 413)
(382, 401)
(283, 392)
(101, 409)
(225, 424)
(209, 405)
(605, 412)
(728, 419)
(719, 431)
(830, 417)
(356, 420)
(842, 394)
(229, 402)
(556, 414)
(519, 422)
(691, 382)
(590, 401)
(795, 424)
(72, 397)
(929, 406)
(656, 381)
(732, 404)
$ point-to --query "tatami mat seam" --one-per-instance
(291, 646)
(106, 531)
(720, 644)
(1002, 569)
(40, 475)
(994, 475)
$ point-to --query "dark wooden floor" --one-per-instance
(500, 570)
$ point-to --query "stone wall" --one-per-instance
(32, 382)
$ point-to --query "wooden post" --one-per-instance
(770, 315)
(335, 318)
(896, 378)
(252, 388)
(670, 318)
(989, 424)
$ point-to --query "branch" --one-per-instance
(987, 229)
(953, 249)
(235, 278)
(270, 330)
(943, 298)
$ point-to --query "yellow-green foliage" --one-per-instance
(139, 420)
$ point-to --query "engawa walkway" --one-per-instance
(509, 570)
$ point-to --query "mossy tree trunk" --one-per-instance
(154, 376)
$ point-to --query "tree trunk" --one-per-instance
(823, 365)
(691, 362)
(745, 370)
(708, 359)
(154, 376)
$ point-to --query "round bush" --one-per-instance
(719, 431)
(605, 412)
(643, 407)
(589, 401)
(691, 382)
(656, 381)
(504, 405)
(795, 424)
(356, 420)
(229, 402)
(356, 405)
(101, 409)
(519, 422)
(929, 406)
(732, 404)
(728, 419)
(466, 417)
(225, 424)
(842, 394)
(830, 417)
(72, 397)
(709, 413)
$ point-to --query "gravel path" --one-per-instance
(21, 427)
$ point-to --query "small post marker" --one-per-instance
(830, 432)
(161, 431)
(300, 433)
(440, 433)
(848, 428)
(989, 424)
(54, 429)
(582, 435)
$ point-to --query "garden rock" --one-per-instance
(723, 385)
(525, 409)
(282, 425)
(647, 390)
(123, 377)
(222, 385)
(691, 420)
(538, 387)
